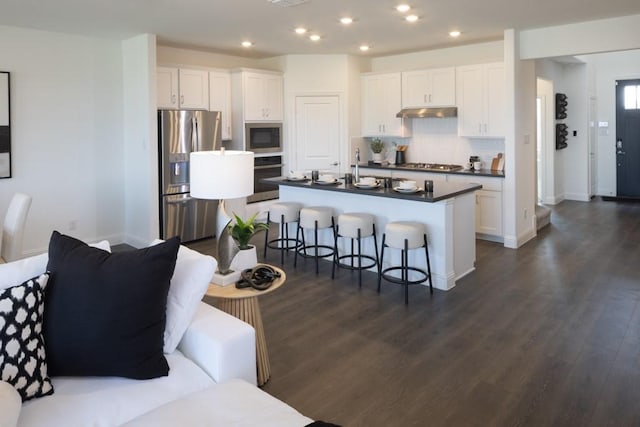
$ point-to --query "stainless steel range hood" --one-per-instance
(420, 113)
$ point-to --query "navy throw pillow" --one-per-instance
(105, 312)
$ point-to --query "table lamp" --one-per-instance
(220, 175)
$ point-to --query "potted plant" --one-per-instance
(377, 146)
(241, 232)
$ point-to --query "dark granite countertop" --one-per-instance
(441, 190)
(481, 172)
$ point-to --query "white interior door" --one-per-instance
(317, 133)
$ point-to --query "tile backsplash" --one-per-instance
(437, 141)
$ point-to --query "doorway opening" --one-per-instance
(545, 143)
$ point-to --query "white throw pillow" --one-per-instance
(16, 272)
(10, 405)
(189, 283)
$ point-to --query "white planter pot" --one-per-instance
(246, 258)
(378, 157)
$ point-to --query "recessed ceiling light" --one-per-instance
(455, 33)
(314, 37)
(403, 8)
(364, 48)
(300, 30)
(247, 43)
(412, 18)
(346, 20)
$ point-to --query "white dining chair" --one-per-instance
(13, 227)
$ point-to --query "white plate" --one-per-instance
(326, 182)
(367, 186)
(290, 178)
(407, 190)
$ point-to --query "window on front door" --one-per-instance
(632, 97)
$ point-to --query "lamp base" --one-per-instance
(225, 279)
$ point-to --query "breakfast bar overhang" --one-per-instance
(448, 214)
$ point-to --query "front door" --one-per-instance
(628, 138)
(317, 133)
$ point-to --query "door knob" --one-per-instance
(335, 164)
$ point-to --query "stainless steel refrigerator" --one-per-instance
(179, 133)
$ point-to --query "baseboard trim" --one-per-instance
(578, 197)
(620, 199)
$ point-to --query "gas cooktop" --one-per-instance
(432, 166)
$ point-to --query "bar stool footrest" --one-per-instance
(301, 250)
(273, 244)
(355, 257)
(399, 280)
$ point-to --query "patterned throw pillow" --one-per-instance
(22, 353)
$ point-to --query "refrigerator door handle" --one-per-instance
(194, 134)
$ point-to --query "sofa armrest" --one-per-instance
(222, 345)
(10, 405)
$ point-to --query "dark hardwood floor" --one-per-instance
(546, 335)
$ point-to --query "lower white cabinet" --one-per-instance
(489, 212)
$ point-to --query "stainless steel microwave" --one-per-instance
(263, 137)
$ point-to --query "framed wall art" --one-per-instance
(5, 127)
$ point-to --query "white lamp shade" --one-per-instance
(224, 174)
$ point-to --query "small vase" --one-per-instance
(245, 258)
(378, 157)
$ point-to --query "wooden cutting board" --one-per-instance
(495, 163)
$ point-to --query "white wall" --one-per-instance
(173, 56)
(141, 140)
(520, 146)
(67, 139)
(318, 75)
(604, 35)
(445, 57)
(575, 160)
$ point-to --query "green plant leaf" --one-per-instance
(243, 230)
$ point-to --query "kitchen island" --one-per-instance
(448, 214)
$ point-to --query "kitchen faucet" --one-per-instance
(356, 174)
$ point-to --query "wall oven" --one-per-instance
(263, 137)
(265, 167)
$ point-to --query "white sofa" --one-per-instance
(211, 382)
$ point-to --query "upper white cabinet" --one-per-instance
(381, 101)
(429, 88)
(220, 99)
(167, 87)
(182, 88)
(263, 96)
(480, 94)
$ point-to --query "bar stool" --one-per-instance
(283, 213)
(314, 218)
(355, 226)
(405, 235)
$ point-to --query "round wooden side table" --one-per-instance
(243, 304)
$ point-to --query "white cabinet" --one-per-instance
(167, 87)
(263, 97)
(220, 99)
(480, 96)
(488, 205)
(182, 88)
(489, 212)
(381, 101)
(429, 88)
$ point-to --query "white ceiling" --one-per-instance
(220, 25)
